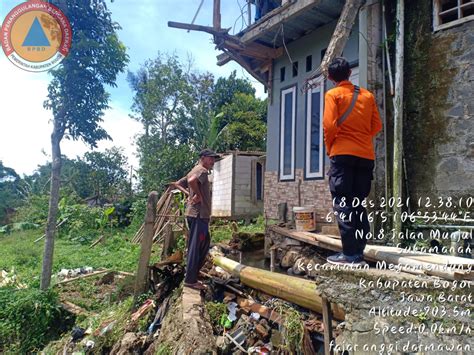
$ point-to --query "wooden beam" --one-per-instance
(240, 60)
(141, 279)
(223, 59)
(339, 37)
(254, 50)
(276, 17)
(188, 26)
(216, 18)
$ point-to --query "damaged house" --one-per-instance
(423, 88)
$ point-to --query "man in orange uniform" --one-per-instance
(351, 120)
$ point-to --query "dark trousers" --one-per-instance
(350, 179)
(199, 241)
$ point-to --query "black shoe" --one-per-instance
(341, 259)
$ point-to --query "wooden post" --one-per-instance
(398, 119)
(168, 241)
(141, 279)
(249, 13)
(282, 209)
(217, 14)
(327, 321)
(272, 259)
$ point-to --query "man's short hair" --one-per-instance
(339, 69)
(208, 153)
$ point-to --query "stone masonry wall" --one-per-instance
(312, 192)
(439, 106)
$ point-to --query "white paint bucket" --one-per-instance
(305, 220)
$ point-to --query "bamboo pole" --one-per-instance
(293, 289)
(398, 118)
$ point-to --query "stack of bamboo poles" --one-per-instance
(165, 217)
(443, 266)
(293, 289)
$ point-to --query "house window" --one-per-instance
(314, 155)
(259, 182)
(448, 13)
(287, 133)
(309, 63)
(282, 74)
(295, 69)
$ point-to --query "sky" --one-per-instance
(25, 126)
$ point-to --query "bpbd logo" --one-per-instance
(36, 36)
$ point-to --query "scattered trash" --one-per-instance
(143, 310)
(69, 273)
(232, 308)
(238, 338)
(265, 349)
(255, 315)
(77, 333)
(104, 328)
(90, 344)
(10, 279)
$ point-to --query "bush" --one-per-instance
(29, 319)
(35, 210)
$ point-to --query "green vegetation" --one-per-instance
(29, 318)
(18, 251)
(217, 311)
(221, 231)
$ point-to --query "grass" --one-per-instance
(18, 251)
(221, 231)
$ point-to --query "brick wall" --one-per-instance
(312, 192)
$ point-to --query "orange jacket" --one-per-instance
(354, 136)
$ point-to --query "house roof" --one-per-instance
(297, 18)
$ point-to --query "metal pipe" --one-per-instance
(385, 56)
(387, 53)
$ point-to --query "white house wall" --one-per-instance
(222, 188)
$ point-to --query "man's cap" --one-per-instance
(208, 153)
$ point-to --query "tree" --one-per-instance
(226, 88)
(243, 124)
(161, 90)
(9, 194)
(107, 173)
(76, 94)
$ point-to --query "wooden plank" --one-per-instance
(95, 273)
(391, 255)
(223, 59)
(254, 50)
(327, 322)
(192, 27)
(276, 18)
(141, 280)
(338, 39)
(75, 309)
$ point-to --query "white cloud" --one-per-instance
(25, 127)
(24, 123)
